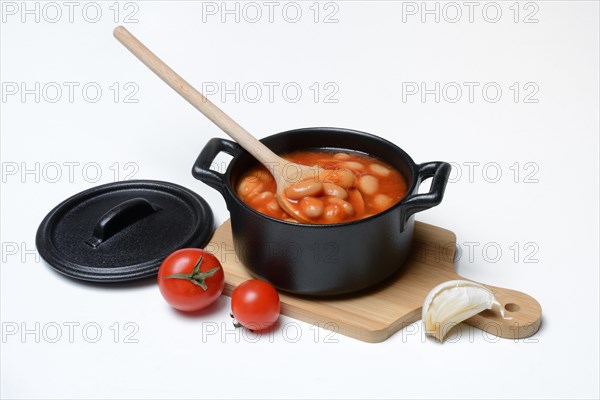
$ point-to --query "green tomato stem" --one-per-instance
(196, 277)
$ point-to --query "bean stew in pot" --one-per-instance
(352, 186)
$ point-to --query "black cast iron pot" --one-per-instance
(323, 259)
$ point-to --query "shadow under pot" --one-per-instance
(312, 259)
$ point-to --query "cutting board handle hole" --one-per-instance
(512, 307)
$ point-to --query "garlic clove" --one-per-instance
(452, 302)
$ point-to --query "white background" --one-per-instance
(373, 52)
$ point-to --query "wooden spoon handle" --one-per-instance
(195, 98)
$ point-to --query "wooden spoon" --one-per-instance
(285, 173)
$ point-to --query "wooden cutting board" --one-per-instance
(375, 314)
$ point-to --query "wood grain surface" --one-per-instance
(375, 314)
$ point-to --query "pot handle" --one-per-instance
(414, 203)
(201, 169)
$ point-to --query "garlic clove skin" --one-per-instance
(452, 302)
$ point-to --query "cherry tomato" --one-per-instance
(191, 279)
(255, 304)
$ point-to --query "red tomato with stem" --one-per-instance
(255, 304)
(191, 279)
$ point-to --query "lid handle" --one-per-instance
(118, 218)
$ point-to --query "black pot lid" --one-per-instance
(123, 231)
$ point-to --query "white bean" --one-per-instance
(353, 165)
(266, 195)
(312, 207)
(344, 205)
(357, 201)
(368, 184)
(341, 156)
(332, 189)
(265, 176)
(333, 214)
(382, 201)
(249, 185)
(342, 177)
(380, 170)
(303, 189)
(273, 206)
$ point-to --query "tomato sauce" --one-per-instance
(354, 186)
